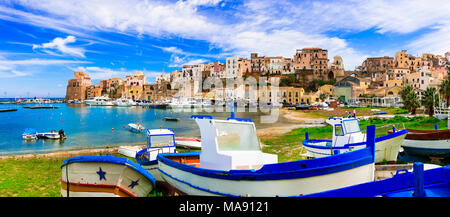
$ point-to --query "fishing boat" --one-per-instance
(428, 143)
(347, 136)
(418, 183)
(104, 176)
(159, 141)
(188, 142)
(129, 151)
(137, 128)
(231, 163)
(99, 101)
(29, 134)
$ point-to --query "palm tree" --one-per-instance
(429, 100)
(410, 99)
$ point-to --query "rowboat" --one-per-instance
(428, 143)
(347, 136)
(137, 128)
(104, 176)
(419, 183)
(159, 141)
(231, 163)
(188, 142)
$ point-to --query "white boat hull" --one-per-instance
(384, 150)
(427, 147)
(85, 182)
(29, 137)
(193, 184)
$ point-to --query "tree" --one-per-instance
(410, 99)
(429, 100)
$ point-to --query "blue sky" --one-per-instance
(43, 42)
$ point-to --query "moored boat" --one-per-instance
(231, 163)
(52, 135)
(347, 136)
(188, 142)
(104, 176)
(137, 128)
(171, 119)
(428, 143)
(159, 141)
(99, 101)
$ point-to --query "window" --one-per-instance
(338, 130)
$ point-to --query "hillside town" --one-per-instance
(309, 76)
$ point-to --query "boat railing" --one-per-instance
(389, 128)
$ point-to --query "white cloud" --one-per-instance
(20, 68)
(60, 44)
(268, 27)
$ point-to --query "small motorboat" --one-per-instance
(104, 176)
(188, 142)
(137, 128)
(52, 135)
(347, 136)
(171, 119)
(29, 134)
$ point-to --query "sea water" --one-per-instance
(94, 126)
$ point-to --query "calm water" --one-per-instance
(91, 127)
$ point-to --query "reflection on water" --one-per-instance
(97, 126)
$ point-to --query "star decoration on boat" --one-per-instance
(101, 173)
(133, 183)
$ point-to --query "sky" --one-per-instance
(43, 42)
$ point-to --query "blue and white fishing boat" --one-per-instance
(159, 141)
(231, 163)
(29, 134)
(104, 176)
(419, 183)
(347, 136)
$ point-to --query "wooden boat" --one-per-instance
(419, 183)
(231, 163)
(41, 107)
(429, 143)
(188, 142)
(159, 141)
(347, 136)
(171, 119)
(137, 128)
(29, 134)
(104, 176)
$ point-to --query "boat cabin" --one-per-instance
(230, 144)
(159, 141)
(346, 130)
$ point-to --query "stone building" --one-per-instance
(377, 64)
(77, 87)
(315, 59)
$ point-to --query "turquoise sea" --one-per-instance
(94, 126)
